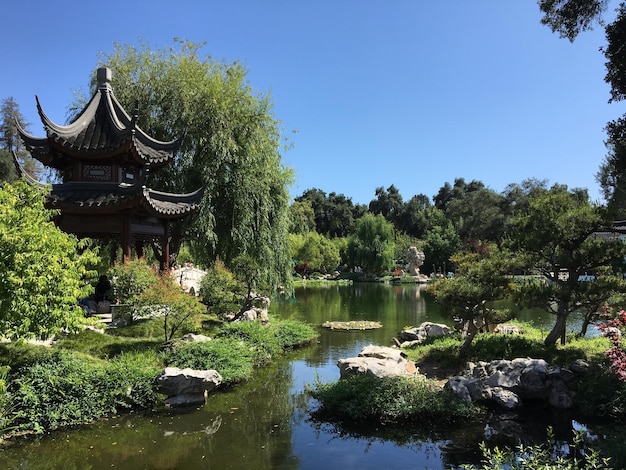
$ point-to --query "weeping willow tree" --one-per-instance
(232, 143)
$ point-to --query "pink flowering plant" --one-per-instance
(613, 328)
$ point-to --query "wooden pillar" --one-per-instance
(166, 246)
(139, 248)
(125, 239)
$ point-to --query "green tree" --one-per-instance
(7, 167)
(475, 210)
(388, 202)
(469, 295)
(560, 238)
(220, 290)
(42, 269)
(10, 142)
(316, 251)
(169, 302)
(569, 18)
(372, 245)
(412, 218)
(335, 214)
(302, 217)
(130, 280)
(440, 243)
(232, 143)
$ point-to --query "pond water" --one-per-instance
(266, 422)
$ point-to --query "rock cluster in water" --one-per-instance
(508, 384)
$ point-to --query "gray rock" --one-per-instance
(378, 361)
(174, 382)
(458, 387)
(506, 398)
(507, 383)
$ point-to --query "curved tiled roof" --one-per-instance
(170, 205)
(110, 197)
(102, 129)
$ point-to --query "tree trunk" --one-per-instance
(558, 331)
(469, 332)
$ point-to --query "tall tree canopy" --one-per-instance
(232, 143)
(334, 213)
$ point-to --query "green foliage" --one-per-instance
(549, 455)
(292, 333)
(302, 217)
(571, 17)
(315, 250)
(372, 245)
(469, 295)
(129, 280)
(7, 167)
(365, 398)
(440, 242)
(228, 356)
(171, 305)
(42, 269)
(220, 290)
(116, 341)
(63, 390)
(232, 144)
(555, 237)
(240, 346)
(487, 346)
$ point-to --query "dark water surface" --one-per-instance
(265, 423)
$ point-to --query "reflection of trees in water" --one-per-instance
(459, 444)
(245, 427)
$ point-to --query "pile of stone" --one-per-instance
(379, 361)
(508, 384)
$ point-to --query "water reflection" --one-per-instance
(266, 423)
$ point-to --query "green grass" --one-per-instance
(443, 350)
(240, 347)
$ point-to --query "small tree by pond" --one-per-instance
(169, 302)
(557, 236)
(468, 295)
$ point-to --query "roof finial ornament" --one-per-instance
(135, 115)
(104, 76)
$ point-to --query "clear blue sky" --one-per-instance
(406, 92)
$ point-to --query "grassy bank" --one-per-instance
(90, 375)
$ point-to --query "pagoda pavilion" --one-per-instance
(103, 158)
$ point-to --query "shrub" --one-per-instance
(390, 400)
(220, 290)
(66, 389)
(174, 308)
(228, 356)
(292, 333)
(259, 338)
(129, 281)
(42, 269)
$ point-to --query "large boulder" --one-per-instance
(412, 336)
(185, 387)
(508, 383)
(379, 361)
